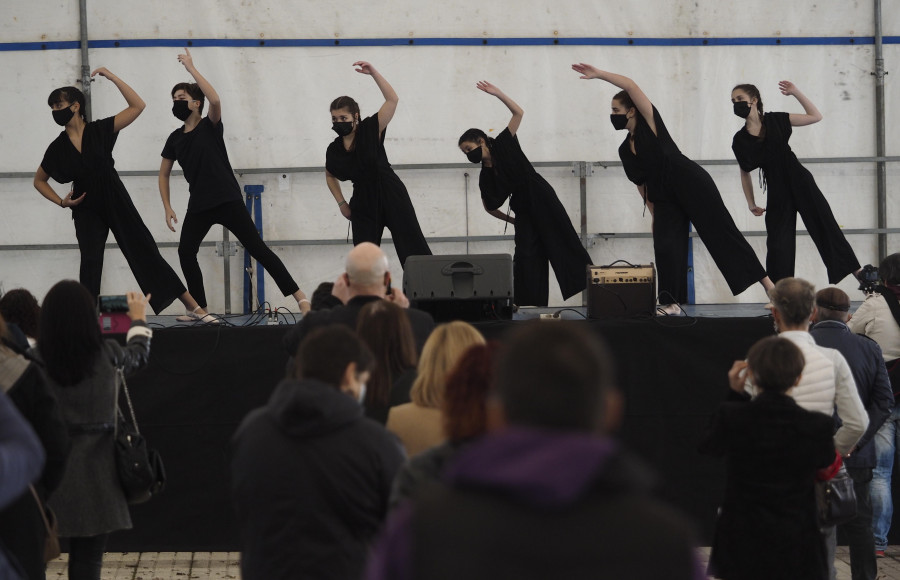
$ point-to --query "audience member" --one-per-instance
(367, 278)
(827, 383)
(21, 461)
(876, 319)
(22, 527)
(549, 494)
(418, 423)
(385, 329)
(464, 419)
(767, 525)
(81, 369)
(311, 475)
(20, 307)
(867, 365)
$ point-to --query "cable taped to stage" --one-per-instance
(621, 289)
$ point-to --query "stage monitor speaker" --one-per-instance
(467, 287)
(621, 291)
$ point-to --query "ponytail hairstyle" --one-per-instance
(345, 103)
(624, 98)
(753, 93)
(473, 135)
(69, 95)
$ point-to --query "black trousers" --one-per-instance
(781, 228)
(531, 266)
(153, 274)
(392, 210)
(235, 218)
(697, 201)
(858, 531)
(86, 557)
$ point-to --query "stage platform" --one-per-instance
(203, 379)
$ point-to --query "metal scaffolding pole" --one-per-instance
(880, 166)
(85, 61)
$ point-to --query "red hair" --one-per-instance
(466, 392)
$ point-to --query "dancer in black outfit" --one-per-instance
(82, 154)
(215, 195)
(677, 192)
(379, 197)
(763, 143)
(544, 233)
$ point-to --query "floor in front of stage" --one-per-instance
(284, 316)
(226, 565)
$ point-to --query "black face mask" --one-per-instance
(181, 110)
(342, 128)
(618, 121)
(475, 155)
(63, 116)
(742, 109)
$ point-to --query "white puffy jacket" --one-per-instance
(826, 384)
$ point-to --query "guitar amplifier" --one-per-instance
(460, 287)
(621, 291)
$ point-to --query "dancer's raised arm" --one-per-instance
(386, 112)
(135, 103)
(640, 100)
(516, 110)
(812, 113)
(212, 97)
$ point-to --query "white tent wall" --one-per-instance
(275, 113)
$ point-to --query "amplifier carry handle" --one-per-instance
(462, 268)
(617, 261)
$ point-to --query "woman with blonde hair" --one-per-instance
(418, 424)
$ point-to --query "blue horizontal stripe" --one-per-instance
(357, 42)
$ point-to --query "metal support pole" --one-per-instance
(226, 257)
(583, 169)
(85, 61)
(880, 166)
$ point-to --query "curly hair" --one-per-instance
(20, 307)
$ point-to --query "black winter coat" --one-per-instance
(311, 477)
(767, 526)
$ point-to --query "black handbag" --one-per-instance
(836, 499)
(141, 470)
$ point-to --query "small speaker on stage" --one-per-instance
(467, 287)
(617, 291)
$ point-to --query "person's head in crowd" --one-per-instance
(440, 353)
(20, 307)
(367, 272)
(335, 356)
(793, 304)
(385, 329)
(832, 303)
(889, 270)
(322, 298)
(775, 364)
(466, 393)
(556, 377)
(70, 333)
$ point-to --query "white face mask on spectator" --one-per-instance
(362, 393)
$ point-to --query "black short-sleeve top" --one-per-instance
(769, 150)
(92, 170)
(362, 164)
(654, 155)
(510, 173)
(202, 155)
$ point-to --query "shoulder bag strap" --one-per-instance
(120, 378)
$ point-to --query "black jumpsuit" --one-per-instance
(792, 189)
(544, 233)
(682, 192)
(379, 197)
(108, 207)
